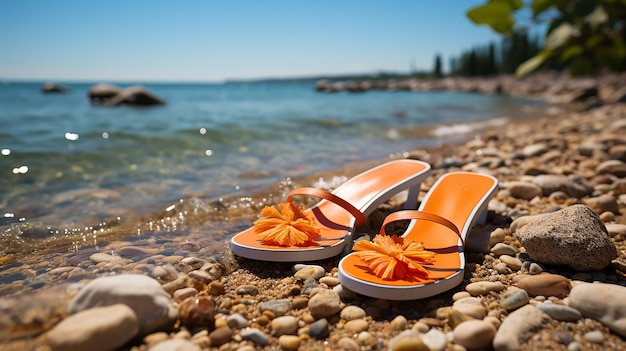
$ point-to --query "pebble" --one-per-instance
(289, 342)
(329, 281)
(398, 323)
(325, 303)
(258, 337)
(470, 306)
(435, 339)
(279, 307)
(482, 288)
(474, 334)
(560, 313)
(197, 312)
(574, 237)
(181, 294)
(407, 341)
(357, 325)
(284, 325)
(496, 236)
(518, 327)
(524, 190)
(135, 251)
(100, 257)
(605, 303)
(348, 344)
(352, 312)
(175, 345)
(603, 203)
(319, 329)
(546, 285)
(594, 337)
(514, 299)
(100, 328)
(304, 271)
(220, 336)
(503, 249)
(236, 321)
(141, 293)
(247, 290)
(512, 262)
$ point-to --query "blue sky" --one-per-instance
(155, 40)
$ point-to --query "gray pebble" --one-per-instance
(257, 336)
(278, 307)
(514, 299)
(595, 337)
(236, 321)
(319, 329)
(560, 313)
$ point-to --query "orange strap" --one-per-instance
(326, 195)
(414, 214)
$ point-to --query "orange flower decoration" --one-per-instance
(287, 225)
(392, 257)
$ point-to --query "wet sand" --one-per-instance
(576, 139)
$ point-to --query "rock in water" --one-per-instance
(574, 237)
(136, 95)
(141, 293)
(101, 93)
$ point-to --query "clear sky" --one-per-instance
(210, 40)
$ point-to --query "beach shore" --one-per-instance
(207, 299)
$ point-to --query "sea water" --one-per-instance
(67, 163)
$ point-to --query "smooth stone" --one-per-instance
(474, 334)
(100, 328)
(352, 312)
(614, 167)
(284, 325)
(348, 344)
(330, 281)
(518, 327)
(408, 340)
(319, 329)
(512, 262)
(616, 228)
(325, 303)
(398, 323)
(289, 342)
(496, 236)
(141, 293)
(220, 336)
(574, 186)
(304, 271)
(236, 321)
(197, 312)
(279, 307)
(258, 337)
(176, 284)
(603, 203)
(605, 303)
(533, 150)
(560, 313)
(524, 190)
(574, 237)
(100, 257)
(482, 288)
(500, 249)
(357, 325)
(514, 299)
(546, 284)
(595, 337)
(435, 339)
(136, 251)
(471, 307)
(175, 345)
(248, 290)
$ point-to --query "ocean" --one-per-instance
(72, 172)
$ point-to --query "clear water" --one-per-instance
(65, 161)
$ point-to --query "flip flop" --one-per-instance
(451, 207)
(336, 216)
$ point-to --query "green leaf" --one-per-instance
(532, 63)
(571, 51)
(496, 14)
(560, 35)
(539, 6)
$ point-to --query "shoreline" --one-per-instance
(499, 151)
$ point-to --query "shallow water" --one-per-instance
(73, 174)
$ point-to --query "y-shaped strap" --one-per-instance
(414, 214)
(326, 195)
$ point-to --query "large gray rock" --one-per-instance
(142, 294)
(574, 237)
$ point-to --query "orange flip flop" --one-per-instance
(428, 258)
(335, 217)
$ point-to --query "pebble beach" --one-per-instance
(546, 272)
